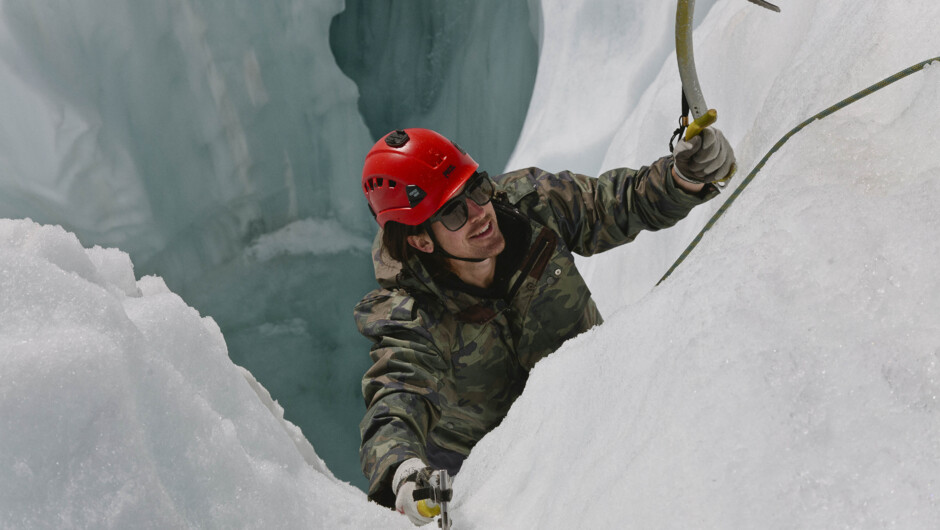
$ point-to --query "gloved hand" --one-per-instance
(412, 474)
(707, 157)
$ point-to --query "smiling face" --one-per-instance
(476, 243)
(479, 238)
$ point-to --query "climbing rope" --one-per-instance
(838, 106)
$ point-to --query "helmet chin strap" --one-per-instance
(438, 249)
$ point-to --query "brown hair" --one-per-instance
(395, 240)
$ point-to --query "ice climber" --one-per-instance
(478, 283)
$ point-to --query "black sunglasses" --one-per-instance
(454, 214)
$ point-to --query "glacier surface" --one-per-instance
(787, 375)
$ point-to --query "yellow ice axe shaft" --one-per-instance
(428, 511)
(703, 116)
(700, 123)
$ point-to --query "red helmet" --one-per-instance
(409, 174)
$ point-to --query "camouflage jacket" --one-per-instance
(449, 359)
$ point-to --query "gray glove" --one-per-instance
(707, 157)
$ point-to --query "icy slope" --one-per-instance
(788, 374)
(595, 106)
(119, 407)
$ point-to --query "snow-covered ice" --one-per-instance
(119, 407)
(787, 375)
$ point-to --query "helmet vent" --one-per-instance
(378, 182)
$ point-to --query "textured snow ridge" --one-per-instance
(788, 374)
(120, 408)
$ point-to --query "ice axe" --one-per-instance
(433, 497)
(692, 99)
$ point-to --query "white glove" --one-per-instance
(409, 474)
(707, 157)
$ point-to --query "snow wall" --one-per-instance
(787, 375)
(120, 408)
